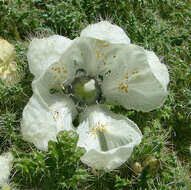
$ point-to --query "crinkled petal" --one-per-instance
(43, 52)
(86, 55)
(136, 80)
(108, 138)
(159, 70)
(6, 162)
(43, 120)
(106, 31)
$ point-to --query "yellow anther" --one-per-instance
(135, 72)
(123, 87)
(64, 70)
(105, 57)
(104, 63)
(62, 127)
(114, 56)
(99, 43)
(97, 53)
(81, 54)
(98, 127)
(126, 77)
(106, 45)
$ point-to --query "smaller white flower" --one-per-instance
(108, 138)
(8, 69)
(5, 167)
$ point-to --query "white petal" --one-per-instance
(108, 138)
(107, 32)
(43, 52)
(85, 54)
(159, 70)
(137, 80)
(41, 121)
(5, 167)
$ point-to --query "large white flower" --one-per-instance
(78, 76)
(6, 160)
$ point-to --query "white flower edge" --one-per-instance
(6, 162)
(137, 80)
(119, 135)
(43, 52)
(42, 122)
(106, 31)
(159, 69)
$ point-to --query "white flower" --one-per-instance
(5, 167)
(8, 69)
(79, 76)
(108, 138)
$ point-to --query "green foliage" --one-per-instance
(25, 17)
(56, 169)
(119, 183)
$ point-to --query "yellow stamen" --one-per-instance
(135, 72)
(99, 127)
(123, 87)
(99, 43)
(64, 70)
(97, 53)
(106, 45)
(126, 76)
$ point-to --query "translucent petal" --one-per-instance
(43, 52)
(91, 56)
(137, 80)
(160, 71)
(5, 167)
(42, 121)
(107, 32)
(108, 138)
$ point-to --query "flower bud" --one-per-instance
(137, 168)
(8, 68)
(152, 162)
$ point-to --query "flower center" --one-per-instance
(85, 90)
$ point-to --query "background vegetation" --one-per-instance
(163, 26)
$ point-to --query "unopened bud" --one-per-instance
(137, 167)
(152, 162)
(8, 68)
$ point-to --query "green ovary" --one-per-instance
(82, 94)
